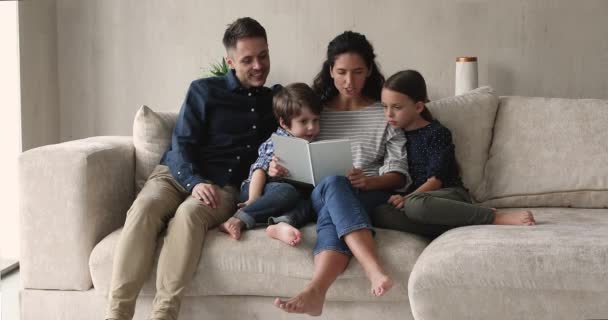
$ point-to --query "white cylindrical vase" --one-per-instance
(466, 74)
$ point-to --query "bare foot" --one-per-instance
(381, 284)
(285, 233)
(309, 301)
(232, 227)
(520, 218)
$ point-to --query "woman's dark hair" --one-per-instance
(242, 28)
(410, 83)
(348, 42)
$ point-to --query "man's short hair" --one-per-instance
(242, 28)
(289, 101)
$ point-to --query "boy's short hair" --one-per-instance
(242, 28)
(289, 101)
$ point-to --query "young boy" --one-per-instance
(279, 204)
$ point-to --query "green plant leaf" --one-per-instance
(218, 69)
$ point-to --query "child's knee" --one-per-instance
(414, 206)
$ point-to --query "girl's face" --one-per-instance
(400, 111)
(305, 125)
(349, 73)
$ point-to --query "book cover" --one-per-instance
(310, 162)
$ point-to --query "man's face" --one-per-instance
(250, 60)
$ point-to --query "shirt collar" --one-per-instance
(283, 132)
(233, 84)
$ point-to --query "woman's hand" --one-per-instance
(358, 179)
(397, 201)
(276, 170)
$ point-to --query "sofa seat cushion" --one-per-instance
(526, 272)
(257, 265)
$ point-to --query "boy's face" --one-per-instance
(250, 60)
(400, 111)
(305, 126)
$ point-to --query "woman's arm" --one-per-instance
(387, 181)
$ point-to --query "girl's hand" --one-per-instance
(358, 179)
(276, 170)
(397, 201)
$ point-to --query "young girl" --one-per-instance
(279, 204)
(349, 85)
(436, 196)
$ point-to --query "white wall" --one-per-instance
(114, 55)
(10, 137)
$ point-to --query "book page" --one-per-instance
(294, 155)
(330, 158)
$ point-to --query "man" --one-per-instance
(194, 188)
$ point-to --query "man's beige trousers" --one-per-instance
(162, 205)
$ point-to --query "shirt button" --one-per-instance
(248, 146)
(252, 109)
(229, 170)
(238, 157)
(188, 185)
(179, 172)
(249, 94)
(254, 126)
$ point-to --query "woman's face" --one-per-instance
(349, 73)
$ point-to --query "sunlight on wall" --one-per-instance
(10, 129)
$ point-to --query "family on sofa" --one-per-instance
(220, 171)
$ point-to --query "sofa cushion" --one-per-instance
(554, 270)
(151, 137)
(470, 118)
(549, 152)
(257, 265)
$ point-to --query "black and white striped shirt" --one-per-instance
(377, 147)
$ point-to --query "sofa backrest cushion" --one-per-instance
(151, 138)
(470, 118)
(549, 152)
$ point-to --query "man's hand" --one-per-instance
(207, 193)
(397, 201)
(358, 179)
(276, 170)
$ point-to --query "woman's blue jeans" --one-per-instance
(280, 202)
(341, 209)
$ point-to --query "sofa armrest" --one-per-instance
(72, 195)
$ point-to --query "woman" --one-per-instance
(349, 85)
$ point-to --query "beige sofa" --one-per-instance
(546, 154)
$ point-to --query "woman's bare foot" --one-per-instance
(309, 301)
(285, 233)
(232, 227)
(520, 218)
(381, 284)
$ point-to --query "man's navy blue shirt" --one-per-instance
(218, 131)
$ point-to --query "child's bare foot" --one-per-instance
(232, 227)
(285, 233)
(521, 218)
(381, 283)
(309, 301)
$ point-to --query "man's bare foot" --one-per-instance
(285, 233)
(520, 218)
(381, 284)
(309, 301)
(232, 227)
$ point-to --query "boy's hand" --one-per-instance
(207, 193)
(358, 179)
(244, 204)
(276, 170)
(397, 201)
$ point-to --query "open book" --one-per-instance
(310, 162)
